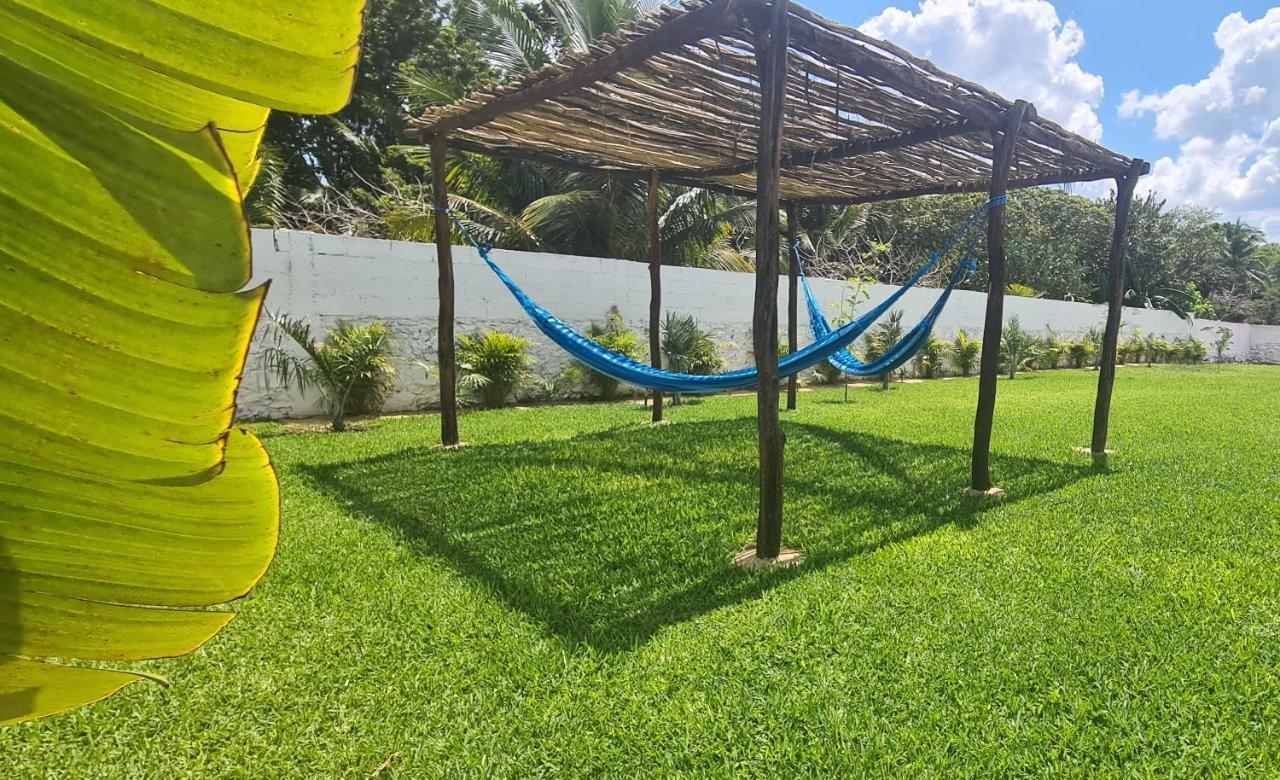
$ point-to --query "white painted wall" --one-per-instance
(327, 278)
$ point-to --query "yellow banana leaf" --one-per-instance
(128, 134)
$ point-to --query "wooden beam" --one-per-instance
(573, 164)
(1005, 143)
(845, 150)
(677, 31)
(1115, 301)
(446, 360)
(1040, 179)
(655, 289)
(793, 298)
(771, 57)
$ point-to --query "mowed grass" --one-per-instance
(556, 599)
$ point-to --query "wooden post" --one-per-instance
(793, 294)
(446, 361)
(1115, 301)
(1003, 142)
(771, 59)
(655, 290)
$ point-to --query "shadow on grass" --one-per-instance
(608, 537)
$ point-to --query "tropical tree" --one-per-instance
(401, 37)
(125, 146)
(524, 205)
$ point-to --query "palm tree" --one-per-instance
(881, 339)
(524, 205)
(350, 367)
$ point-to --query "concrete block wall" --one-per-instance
(327, 278)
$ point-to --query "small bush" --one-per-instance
(350, 366)
(616, 337)
(1015, 346)
(1093, 336)
(1222, 343)
(1156, 349)
(1050, 350)
(1080, 353)
(881, 339)
(827, 373)
(930, 361)
(492, 366)
(965, 352)
(687, 348)
(1194, 350)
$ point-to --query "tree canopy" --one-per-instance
(352, 176)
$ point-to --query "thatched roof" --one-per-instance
(678, 92)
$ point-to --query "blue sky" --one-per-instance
(1149, 78)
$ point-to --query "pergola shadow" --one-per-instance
(608, 537)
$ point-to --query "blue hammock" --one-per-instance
(916, 338)
(633, 372)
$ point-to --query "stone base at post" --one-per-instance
(786, 557)
(991, 492)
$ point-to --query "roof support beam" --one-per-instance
(849, 149)
(685, 28)
(771, 47)
(1056, 177)
(655, 287)
(570, 164)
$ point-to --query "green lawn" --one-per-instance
(557, 599)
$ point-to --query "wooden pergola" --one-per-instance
(767, 100)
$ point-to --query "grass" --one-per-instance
(556, 599)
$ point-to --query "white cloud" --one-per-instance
(1227, 126)
(1019, 48)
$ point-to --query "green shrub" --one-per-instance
(1081, 352)
(965, 352)
(1015, 346)
(1050, 349)
(1133, 349)
(350, 366)
(615, 336)
(492, 366)
(929, 361)
(1190, 350)
(882, 338)
(1194, 350)
(827, 373)
(1156, 349)
(1222, 343)
(687, 348)
(1094, 337)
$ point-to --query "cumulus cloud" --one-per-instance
(1227, 126)
(1019, 48)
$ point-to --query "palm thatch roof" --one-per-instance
(678, 92)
